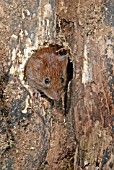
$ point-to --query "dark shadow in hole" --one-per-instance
(67, 102)
(69, 71)
(97, 164)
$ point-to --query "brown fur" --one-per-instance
(46, 63)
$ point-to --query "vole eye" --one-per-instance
(47, 81)
(62, 80)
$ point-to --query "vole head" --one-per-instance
(46, 71)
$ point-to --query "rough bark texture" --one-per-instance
(35, 135)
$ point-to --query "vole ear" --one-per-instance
(37, 63)
(64, 59)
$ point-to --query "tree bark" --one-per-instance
(34, 134)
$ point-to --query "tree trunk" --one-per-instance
(76, 132)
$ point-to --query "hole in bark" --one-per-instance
(67, 102)
(69, 71)
(97, 164)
